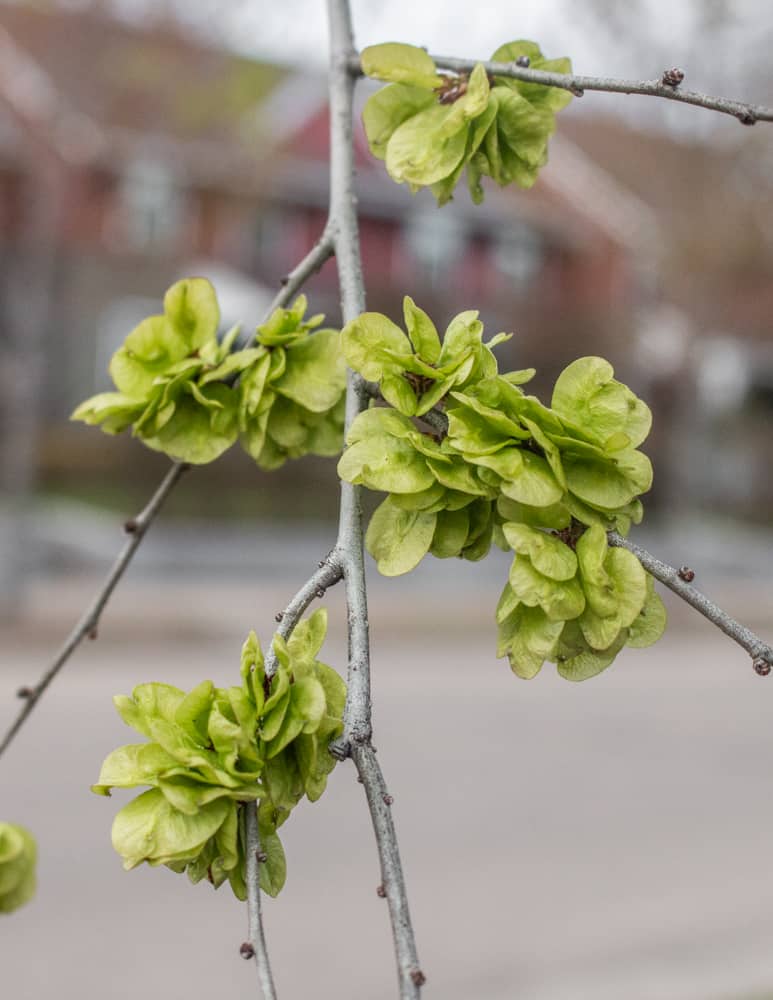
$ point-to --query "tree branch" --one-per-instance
(87, 626)
(330, 571)
(392, 879)
(343, 217)
(319, 254)
(357, 713)
(669, 577)
(256, 946)
(747, 114)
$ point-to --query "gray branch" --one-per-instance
(257, 941)
(357, 713)
(330, 571)
(669, 577)
(747, 114)
(392, 880)
(321, 252)
(87, 626)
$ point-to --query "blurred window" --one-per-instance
(436, 241)
(518, 254)
(152, 204)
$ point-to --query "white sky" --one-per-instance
(637, 38)
(643, 38)
(296, 30)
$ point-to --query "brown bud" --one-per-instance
(418, 978)
(92, 632)
(25, 692)
(672, 77)
(130, 526)
(246, 950)
(381, 891)
(761, 666)
(686, 574)
(388, 800)
(523, 61)
(261, 857)
(279, 616)
(320, 592)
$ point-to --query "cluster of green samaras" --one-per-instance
(187, 393)
(428, 125)
(547, 483)
(18, 855)
(505, 467)
(214, 748)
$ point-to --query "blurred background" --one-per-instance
(142, 141)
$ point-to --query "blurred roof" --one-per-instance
(574, 198)
(99, 90)
(100, 87)
(714, 201)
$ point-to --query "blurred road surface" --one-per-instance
(602, 841)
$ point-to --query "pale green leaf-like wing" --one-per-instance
(366, 340)
(396, 62)
(589, 663)
(149, 828)
(651, 622)
(308, 636)
(423, 150)
(315, 375)
(149, 350)
(191, 307)
(194, 434)
(548, 554)
(132, 765)
(421, 330)
(388, 464)
(559, 599)
(272, 871)
(399, 539)
(18, 858)
(387, 109)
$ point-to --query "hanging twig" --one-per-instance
(255, 947)
(667, 87)
(328, 573)
(87, 626)
(760, 652)
(392, 878)
(319, 254)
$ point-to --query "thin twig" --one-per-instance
(392, 879)
(434, 418)
(329, 572)
(87, 626)
(319, 254)
(747, 114)
(357, 713)
(257, 938)
(669, 577)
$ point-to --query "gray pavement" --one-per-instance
(608, 840)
